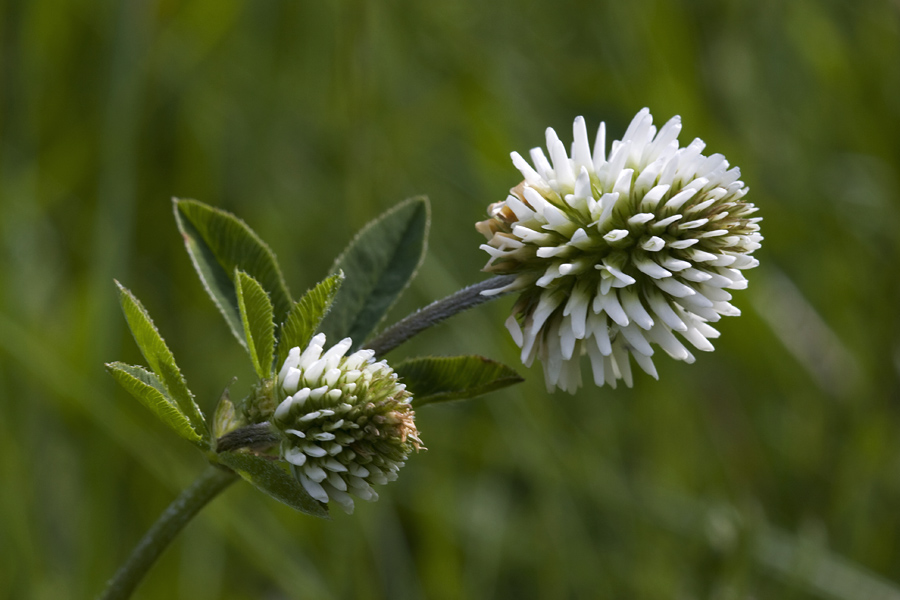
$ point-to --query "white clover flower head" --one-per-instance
(346, 422)
(616, 254)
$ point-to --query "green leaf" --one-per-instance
(259, 329)
(439, 379)
(144, 386)
(307, 314)
(270, 477)
(378, 265)
(218, 243)
(160, 358)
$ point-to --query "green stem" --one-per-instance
(212, 481)
(438, 311)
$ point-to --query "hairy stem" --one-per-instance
(258, 436)
(436, 312)
(206, 487)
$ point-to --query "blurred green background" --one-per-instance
(768, 469)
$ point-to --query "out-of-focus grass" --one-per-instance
(770, 468)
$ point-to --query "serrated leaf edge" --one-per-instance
(262, 364)
(284, 345)
(171, 415)
(224, 310)
(163, 364)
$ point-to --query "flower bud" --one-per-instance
(346, 422)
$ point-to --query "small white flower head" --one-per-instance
(346, 422)
(622, 253)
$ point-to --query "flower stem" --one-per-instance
(436, 312)
(258, 436)
(206, 487)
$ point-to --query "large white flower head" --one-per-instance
(346, 422)
(616, 254)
